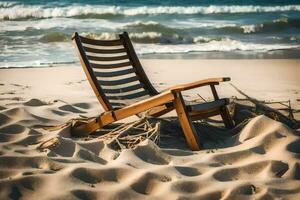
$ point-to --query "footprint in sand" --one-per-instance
(149, 182)
(97, 176)
(186, 186)
(188, 171)
(271, 168)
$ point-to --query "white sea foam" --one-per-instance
(201, 39)
(151, 35)
(252, 28)
(225, 45)
(281, 20)
(101, 36)
(25, 11)
(111, 36)
(72, 23)
(141, 23)
(294, 38)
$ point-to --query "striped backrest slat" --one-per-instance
(114, 73)
(117, 42)
(104, 51)
(121, 90)
(111, 58)
(118, 82)
(110, 66)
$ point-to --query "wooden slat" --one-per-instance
(143, 105)
(160, 110)
(109, 58)
(109, 66)
(226, 117)
(208, 105)
(129, 96)
(124, 89)
(202, 115)
(117, 42)
(115, 73)
(104, 51)
(117, 105)
(196, 84)
(121, 103)
(118, 82)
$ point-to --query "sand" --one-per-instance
(260, 161)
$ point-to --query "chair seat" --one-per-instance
(207, 106)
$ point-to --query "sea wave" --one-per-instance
(55, 37)
(7, 4)
(146, 31)
(10, 11)
(280, 24)
(158, 34)
(141, 37)
(153, 38)
(153, 42)
(294, 38)
(274, 26)
(277, 25)
(212, 46)
(150, 26)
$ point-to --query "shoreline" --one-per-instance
(158, 57)
(287, 54)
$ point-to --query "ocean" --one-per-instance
(38, 33)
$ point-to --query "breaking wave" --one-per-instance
(271, 27)
(55, 37)
(13, 10)
(225, 45)
(280, 24)
(7, 4)
(153, 38)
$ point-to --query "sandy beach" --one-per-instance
(259, 161)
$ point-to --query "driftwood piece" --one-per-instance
(128, 135)
(262, 108)
(50, 143)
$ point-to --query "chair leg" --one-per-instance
(186, 123)
(227, 119)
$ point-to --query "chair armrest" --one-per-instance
(200, 83)
(144, 105)
(85, 128)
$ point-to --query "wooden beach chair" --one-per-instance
(123, 89)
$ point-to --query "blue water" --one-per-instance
(37, 33)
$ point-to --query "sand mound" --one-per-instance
(260, 162)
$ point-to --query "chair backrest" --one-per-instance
(113, 70)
